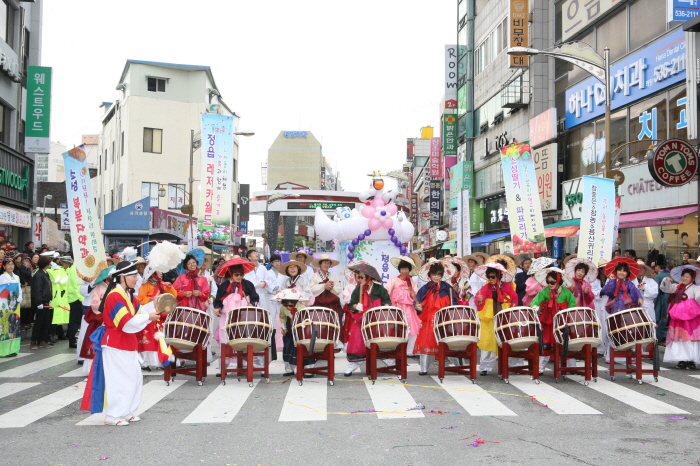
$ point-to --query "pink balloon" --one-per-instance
(391, 209)
(377, 202)
(374, 224)
(387, 223)
(368, 211)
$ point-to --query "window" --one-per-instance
(113, 152)
(153, 140)
(106, 159)
(122, 144)
(176, 196)
(150, 190)
(613, 34)
(156, 84)
(4, 21)
(4, 123)
(111, 195)
(649, 20)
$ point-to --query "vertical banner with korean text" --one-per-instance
(524, 210)
(449, 135)
(217, 176)
(597, 234)
(451, 76)
(37, 136)
(545, 158)
(85, 232)
(435, 202)
(435, 158)
(518, 31)
(10, 337)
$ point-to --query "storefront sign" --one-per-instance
(456, 182)
(468, 179)
(449, 135)
(38, 110)
(450, 77)
(641, 192)
(476, 216)
(545, 159)
(681, 10)
(525, 212)
(543, 127)
(435, 162)
(577, 14)
(243, 227)
(16, 181)
(657, 66)
(244, 202)
(217, 177)
(464, 243)
(572, 198)
(14, 217)
(414, 209)
(409, 149)
(135, 216)
(65, 217)
(85, 232)
(597, 234)
(171, 223)
(518, 31)
(435, 202)
(675, 163)
(10, 328)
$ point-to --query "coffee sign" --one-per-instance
(674, 163)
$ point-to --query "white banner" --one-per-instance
(597, 233)
(466, 234)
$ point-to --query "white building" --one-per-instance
(49, 167)
(145, 138)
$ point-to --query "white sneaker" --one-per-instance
(133, 418)
(120, 422)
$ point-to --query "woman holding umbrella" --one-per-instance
(683, 335)
(532, 286)
(553, 298)
(582, 272)
(621, 291)
(497, 294)
(192, 290)
(368, 294)
(432, 297)
(402, 291)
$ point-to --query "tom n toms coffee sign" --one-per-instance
(674, 163)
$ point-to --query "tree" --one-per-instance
(298, 243)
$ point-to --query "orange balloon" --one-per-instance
(378, 184)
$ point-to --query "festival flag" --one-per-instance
(597, 235)
(522, 195)
(9, 319)
(85, 232)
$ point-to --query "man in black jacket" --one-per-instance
(521, 278)
(41, 300)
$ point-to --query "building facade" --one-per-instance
(297, 157)
(143, 149)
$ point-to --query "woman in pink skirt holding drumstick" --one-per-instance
(683, 337)
(402, 291)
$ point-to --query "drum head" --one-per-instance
(165, 303)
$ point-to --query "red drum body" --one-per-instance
(386, 326)
(186, 328)
(583, 326)
(457, 327)
(517, 326)
(248, 326)
(629, 327)
(323, 320)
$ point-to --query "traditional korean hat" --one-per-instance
(515, 258)
(475, 257)
(306, 259)
(505, 275)
(631, 264)
(602, 263)
(416, 260)
(224, 270)
(510, 263)
(324, 257)
(283, 268)
(483, 255)
(574, 262)
(290, 294)
(103, 275)
(395, 261)
(647, 270)
(368, 270)
(450, 270)
(125, 268)
(539, 264)
(349, 270)
(464, 270)
(541, 276)
(568, 258)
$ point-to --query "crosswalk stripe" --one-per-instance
(25, 415)
(474, 399)
(153, 392)
(305, 403)
(8, 389)
(391, 397)
(641, 402)
(222, 404)
(555, 399)
(33, 367)
(14, 358)
(679, 388)
(75, 373)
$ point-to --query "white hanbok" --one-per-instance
(649, 293)
(599, 301)
(259, 276)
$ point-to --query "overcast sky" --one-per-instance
(361, 75)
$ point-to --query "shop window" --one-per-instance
(613, 34)
(583, 152)
(648, 20)
(678, 123)
(618, 130)
(153, 140)
(647, 121)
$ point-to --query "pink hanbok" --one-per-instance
(532, 287)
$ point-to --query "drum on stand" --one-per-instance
(583, 326)
(165, 303)
(517, 326)
(457, 327)
(322, 321)
(628, 327)
(386, 326)
(186, 328)
(248, 326)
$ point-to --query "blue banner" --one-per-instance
(657, 66)
(134, 216)
(597, 234)
(682, 10)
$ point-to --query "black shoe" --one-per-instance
(691, 365)
(81, 362)
(347, 374)
(309, 376)
(483, 373)
(219, 374)
(681, 365)
(147, 368)
(288, 374)
(62, 339)
(422, 373)
(72, 346)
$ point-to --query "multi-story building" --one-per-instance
(297, 157)
(20, 47)
(50, 167)
(146, 137)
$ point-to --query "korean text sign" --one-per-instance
(85, 232)
(525, 213)
(435, 158)
(597, 234)
(545, 159)
(38, 110)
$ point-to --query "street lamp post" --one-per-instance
(590, 61)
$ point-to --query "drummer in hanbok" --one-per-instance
(620, 288)
(368, 294)
(532, 286)
(265, 282)
(475, 281)
(683, 336)
(306, 259)
(293, 276)
(599, 301)
(553, 298)
(291, 300)
(151, 288)
(509, 264)
(661, 301)
(402, 291)
(326, 288)
(460, 280)
(234, 292)
(497, 294)
(582, 272)
(93, 316)
(520, 279)
(192, 290)
(648, 287)
(435, 295)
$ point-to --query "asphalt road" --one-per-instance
(619, 422)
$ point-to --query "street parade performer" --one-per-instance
(115, 377)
